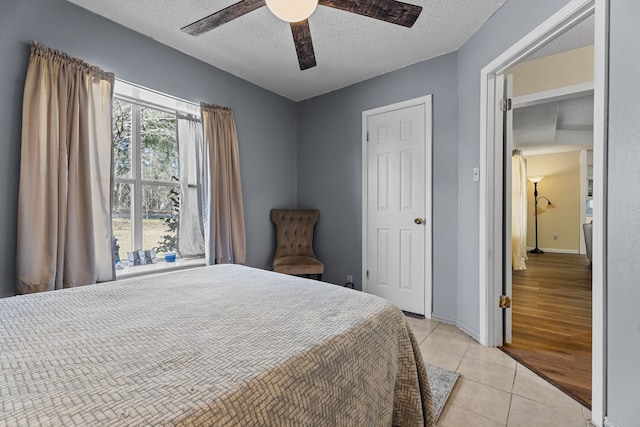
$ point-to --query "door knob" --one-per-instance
(418, 221)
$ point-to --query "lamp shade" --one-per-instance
(535, 179)
(292, 10)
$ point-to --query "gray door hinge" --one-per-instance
(505, 105)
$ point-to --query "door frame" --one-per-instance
(491, 200)
(427, 101)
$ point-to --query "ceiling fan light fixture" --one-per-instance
(292, 10)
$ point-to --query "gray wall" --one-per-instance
(623, 266)
(508, 25)
(330, 169)
(266, 122)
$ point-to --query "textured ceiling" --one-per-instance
(258, 47)
(554, 127)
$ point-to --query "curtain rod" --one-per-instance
(214, 107)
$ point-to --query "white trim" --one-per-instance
(507, 184)
(599, 248)
(428, 264)
(485, 200)
(159, 267)
(140, 94)
(557, 24)
(559, 94)
(136, 186)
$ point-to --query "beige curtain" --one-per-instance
(223, 212)
(64, 207)
(518, 212)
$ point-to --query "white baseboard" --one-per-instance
(608, 422)
(444, 319)
(559, 251)
(454, 322)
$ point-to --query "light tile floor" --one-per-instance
(493, 389)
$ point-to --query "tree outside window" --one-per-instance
(145, 170)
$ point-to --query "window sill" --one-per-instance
(159, 267)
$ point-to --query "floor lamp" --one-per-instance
(536, 180)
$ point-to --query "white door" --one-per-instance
(508, 247)
(501, 223)
(398, 223)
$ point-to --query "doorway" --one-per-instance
(396, 204)
(492, 245)
(551, 136)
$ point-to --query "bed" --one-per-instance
(223, 345)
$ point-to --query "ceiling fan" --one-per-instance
(296, 13)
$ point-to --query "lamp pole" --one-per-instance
(537, 250)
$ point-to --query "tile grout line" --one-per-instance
(462, 358)
(509, 411)
(477, 414)
(496, 365)
(513, 384)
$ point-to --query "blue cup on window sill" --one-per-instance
(170, 257)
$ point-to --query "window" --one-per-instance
(145, 171)
(146, 196)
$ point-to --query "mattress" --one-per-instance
(223, 345)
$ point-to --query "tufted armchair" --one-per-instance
(294, 245)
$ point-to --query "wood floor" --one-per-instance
(552, 321)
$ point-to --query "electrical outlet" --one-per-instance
(555, 237)
(349, 278)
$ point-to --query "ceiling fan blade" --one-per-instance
(395, 12)
(222, 16)
(304, 45)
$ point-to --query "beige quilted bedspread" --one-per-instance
(214, 346)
